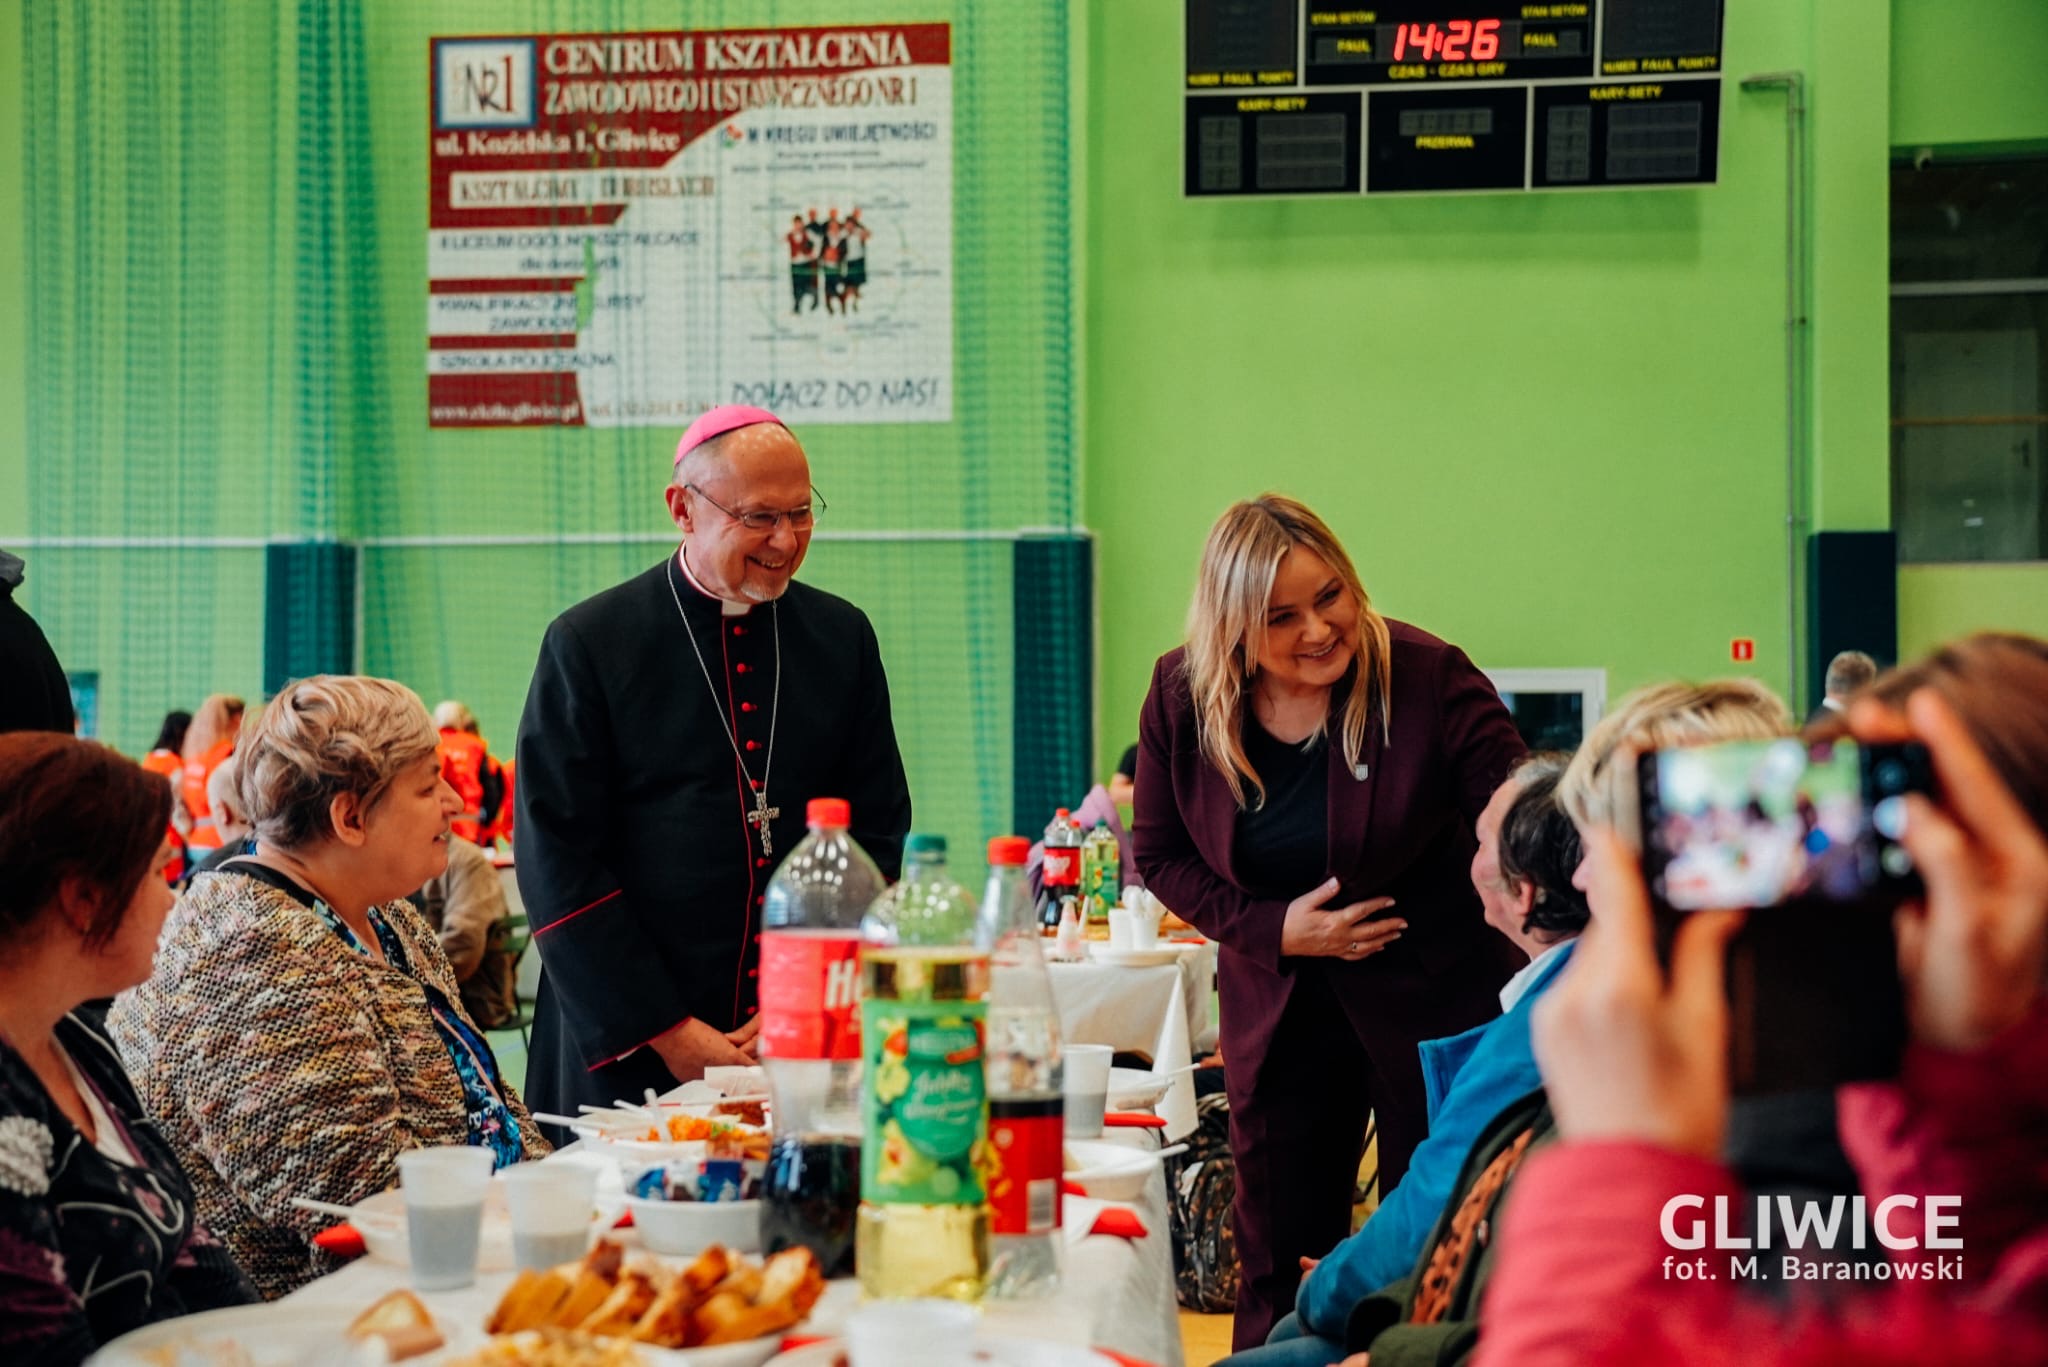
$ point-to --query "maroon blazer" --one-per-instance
(1403, 831)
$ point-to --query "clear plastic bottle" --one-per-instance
(810, 1036)
(924, 1214)
(1101, 873)
(1061, 874)
(1027, 1113)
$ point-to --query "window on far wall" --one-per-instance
(1969, 371)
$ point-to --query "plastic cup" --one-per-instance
(922, 1333)
(551, 1205)
(1123, 928)
(1086, 1086)
(444, 1212)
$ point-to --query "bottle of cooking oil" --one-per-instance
(924, 1210)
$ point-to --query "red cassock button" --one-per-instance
(739, 631)
(753, 973)
(760, 863)
(746, 707)
(753, 745)
(741, 668)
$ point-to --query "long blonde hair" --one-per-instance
(215, 721)
(1227, 627)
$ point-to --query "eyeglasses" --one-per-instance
(761, 520)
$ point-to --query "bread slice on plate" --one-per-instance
(401, 1321)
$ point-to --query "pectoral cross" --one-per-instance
(759, 819)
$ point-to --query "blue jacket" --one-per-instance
(1469, 1078)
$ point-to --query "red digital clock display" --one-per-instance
(1457, 40)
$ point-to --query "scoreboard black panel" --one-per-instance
(1292, 97)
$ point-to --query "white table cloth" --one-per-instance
(1117, 1293)
(1163, 1011)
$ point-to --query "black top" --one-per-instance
(34, 694)
(641, 876)
(91, 1248)
(1283, 845)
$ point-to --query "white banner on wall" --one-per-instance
(626, 229)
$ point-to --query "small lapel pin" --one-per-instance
(1359, 771)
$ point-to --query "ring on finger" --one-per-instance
(1354, 946)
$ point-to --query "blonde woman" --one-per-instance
(1309, 776)
(208, 741)
(302, 1026)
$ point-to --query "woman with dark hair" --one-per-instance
(166, 757)
(1528, 850)
(97, 1231)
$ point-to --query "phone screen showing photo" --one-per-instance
(1758, 823)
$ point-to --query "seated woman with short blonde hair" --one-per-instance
(303, 1027)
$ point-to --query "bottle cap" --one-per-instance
(922, 843)
(1009, 850)
(828, 811)
(1062, 814)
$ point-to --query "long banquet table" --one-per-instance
(1119, 1290)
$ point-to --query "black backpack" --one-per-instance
(1201, 1185)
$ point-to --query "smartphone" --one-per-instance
(1800, 833)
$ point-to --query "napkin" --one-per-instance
(1120, 1222)
(343, 1241)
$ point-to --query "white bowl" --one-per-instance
(685, 1228)
(1134, 1089)
(1110, 1172)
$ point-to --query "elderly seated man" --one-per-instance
(1528, 850)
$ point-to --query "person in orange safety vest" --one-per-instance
(467, 765)
(210, 740)
(164, 760)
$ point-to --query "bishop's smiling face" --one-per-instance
(754, 469)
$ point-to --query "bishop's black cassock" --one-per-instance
(641, 877)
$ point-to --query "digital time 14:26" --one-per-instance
(1457, 41)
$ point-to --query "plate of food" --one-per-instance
(1110, 1172)
(722, 1309)
(687, 1133)
(982, 1352)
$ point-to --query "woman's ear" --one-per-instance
(346, 815)
(76, 905)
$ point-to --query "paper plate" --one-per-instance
(983, 1352)
(1133, 958)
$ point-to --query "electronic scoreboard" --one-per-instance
(1303, 97)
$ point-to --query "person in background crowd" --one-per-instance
(98, 1234)
(1123, 784)
(855, 251)
(210, 740)
(1308, 778)
(1528, 852)
(34, 694)
(164, 759)
(467, 765)
(238, 836)
(803, 265)
(1847, 672)
(303, 1027)
(466, 905)
(1635, 1060)
(665, 758)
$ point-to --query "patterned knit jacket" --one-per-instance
(280, 1063)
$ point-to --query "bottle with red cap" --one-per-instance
(810, 1036)
(1061, 874)
(1027, 1113)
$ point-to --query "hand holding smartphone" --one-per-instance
(1805, 835)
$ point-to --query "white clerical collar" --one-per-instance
(1833, 704)
(727, 606)
(1518, 986)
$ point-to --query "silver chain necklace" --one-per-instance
(762, 813)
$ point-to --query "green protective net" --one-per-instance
(223, 322)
